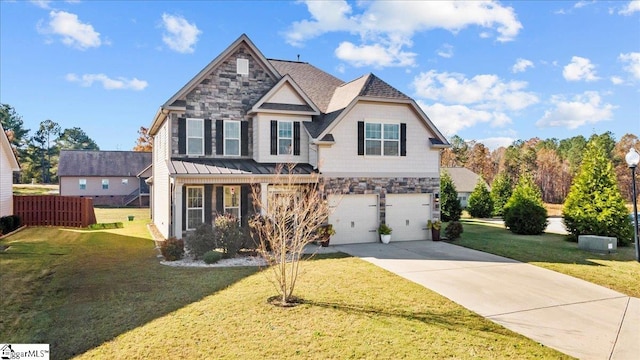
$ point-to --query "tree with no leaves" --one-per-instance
(291, 217)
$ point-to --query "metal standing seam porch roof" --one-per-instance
(208, 166)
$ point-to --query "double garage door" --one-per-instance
(356, 217)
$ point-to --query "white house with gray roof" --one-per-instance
(228, 128)
(465, 182)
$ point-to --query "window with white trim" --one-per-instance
(232, 138)
(285, 137)
(105, 184)
(195, 137)
(195, 206)
(382, 139)
(125, 181)
(242, 66)
(232, 200)
(82, 183)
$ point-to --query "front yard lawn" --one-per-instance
(103, 294)
(618, 271)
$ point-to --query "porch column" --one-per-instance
(263, 198)
(177, 211)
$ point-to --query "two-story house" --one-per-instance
(230, 126)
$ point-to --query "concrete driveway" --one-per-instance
(576, 317)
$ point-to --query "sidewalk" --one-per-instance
(573, 316)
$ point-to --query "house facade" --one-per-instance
(465, 182)
(8, 164)
(230, 127)
(111, 178)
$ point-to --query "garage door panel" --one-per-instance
(354, 218)
(407, 215)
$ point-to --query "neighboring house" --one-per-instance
(8, 164)
(111, 178)
(465, 181)
(230, 126)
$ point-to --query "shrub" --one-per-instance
(172, 249)
(450, 208)
(594, 205)
(212, 256)
(100, 226)
(453, 230)
(480, 202)
(9, 223)
(200, 241)
(228, 235)
(524, 213)
(501, 190)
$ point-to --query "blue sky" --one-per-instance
(488, 71)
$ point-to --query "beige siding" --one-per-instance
(262, 139)
(70, 186)
(342, 158)
(286, 95)
(161, 188)
(6, 183)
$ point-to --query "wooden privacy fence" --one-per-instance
(53, 210)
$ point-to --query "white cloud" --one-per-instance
(74, 33)
(485, 91)
(445, 51)
(496, 142)
(373, 55)
(43, 4)
(451, 119)
(521, 65)
(616, 80)
(386, 27)
(582, 109)
(632, 7)
(582, 3)
(180, 35)
(119, 83)
(579, 69)
(632, 61)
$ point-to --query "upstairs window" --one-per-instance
(232, 138)
(382, 139)
(105, 184)
(242, 66)
(285, 137)
(195, 137)
(83, 184)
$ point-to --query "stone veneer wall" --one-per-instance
(382, 186)
(225, 95)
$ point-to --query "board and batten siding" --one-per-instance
(342, 159)
(262, 139)
(161, 184)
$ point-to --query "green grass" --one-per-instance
(618, 271)
(103, 294)
(35, 189)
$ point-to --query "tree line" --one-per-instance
(38, 153)
(552, 163)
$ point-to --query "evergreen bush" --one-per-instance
(480, 202)
(453, 230)
(228, 235)
(200, 241)
(450, 209)
(501, 190)
(525, 213)
(212, 256)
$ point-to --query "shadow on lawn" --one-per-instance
(102, 286)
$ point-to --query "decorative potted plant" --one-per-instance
(434, 226)
(385, 233)
(324, 233)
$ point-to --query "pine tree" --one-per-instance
(450, 208)
(594, 204)
(525, 213)
(480, 202)
(501, 190)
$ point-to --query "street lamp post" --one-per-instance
(632, 159)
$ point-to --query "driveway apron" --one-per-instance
(574, 316)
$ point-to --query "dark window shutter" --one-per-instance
(184, 209)
(208, 194)
(220, 200)
(403, 139)
(274, 137)
(182, 136)
(219, 137)
(207, 137)
(296, 138)
(244, 203)
(244, 138)
(360, 137)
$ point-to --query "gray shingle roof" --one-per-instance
(209, 166)
(464, 179)
(376, 87)
(289, 107)
(102, 163)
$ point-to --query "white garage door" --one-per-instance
(354, 218)
(407, 215)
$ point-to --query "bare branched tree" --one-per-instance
(291, 216)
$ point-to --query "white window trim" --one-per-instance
(201, 137)
(382, 139)
(105, 182)
(187, 208)
(239, 138)
(81, 183)
(285, 138)
(242, 66)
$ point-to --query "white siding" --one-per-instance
(262, 139)
(161, 201)
(286, 95)
(342, 158)
(6, 182)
